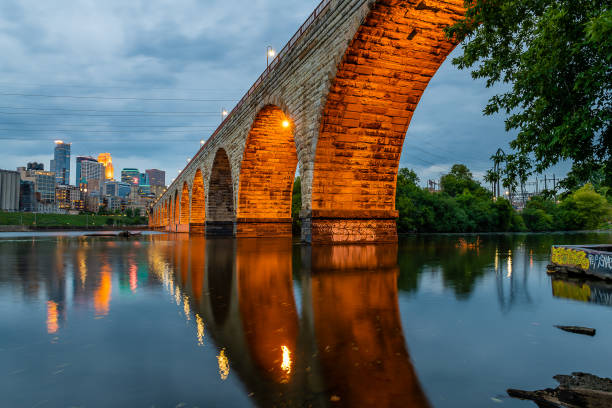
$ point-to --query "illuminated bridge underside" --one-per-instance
(336, 103)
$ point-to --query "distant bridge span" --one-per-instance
(337, 100)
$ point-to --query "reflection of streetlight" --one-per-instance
(270, 53)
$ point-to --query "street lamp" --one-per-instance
(202, 142)
(224, 113)
(270, 53)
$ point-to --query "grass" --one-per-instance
(66, 220)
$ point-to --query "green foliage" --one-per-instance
(585, 209)
(296, 205)
(66, 220)
(556, 56)
(463, 205)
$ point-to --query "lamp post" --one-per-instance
(270, 53)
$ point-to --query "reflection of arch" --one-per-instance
(220, 267)
(184, 218)
(358, 328)
(198, 215)
(220, 211)
(267, 307)
(377, 86)
(266, 176)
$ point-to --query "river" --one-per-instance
(177, 321)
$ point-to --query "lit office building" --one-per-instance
(156, 177)
(60, 164)
(131, 176)
(107, 161)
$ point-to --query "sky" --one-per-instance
(146, 80)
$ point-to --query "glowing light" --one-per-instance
(271, 52)
(223, 365)
(52, 325)
(188, 160)
(201, 142)
(224, 113)
(58, 142)
(286, 364)
(285, 123)
(200, 326)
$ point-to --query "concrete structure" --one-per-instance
(60, 164)
(10, 184)
(336, 103)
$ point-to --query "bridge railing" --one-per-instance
(309, 21)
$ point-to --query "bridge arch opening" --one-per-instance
(198, 199)
(177, 208)
(377, 86)
(220, 202)
(266, 179)
(184, 218)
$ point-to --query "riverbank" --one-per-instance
(30, 228)
(24, 221)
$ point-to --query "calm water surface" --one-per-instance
(178, 321)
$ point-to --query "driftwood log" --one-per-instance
(577, 329)
(579, 390)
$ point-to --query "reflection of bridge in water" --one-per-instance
(341, 345)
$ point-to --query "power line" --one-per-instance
(103, 124)
(94, 131)
(119, 87)
(102, 110)
(117, 98)
(108, 115)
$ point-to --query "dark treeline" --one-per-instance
(464, 205)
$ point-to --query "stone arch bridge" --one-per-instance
(336, 104)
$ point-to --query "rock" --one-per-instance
(579, 390)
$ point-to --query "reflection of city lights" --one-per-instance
(52, 325)
(496, 260)
(102, 295)
(186, 306)
(509, 264)
(82, 270)
(286, 364)
(133, 277)
(200, 325)
(223, 365)
(177, 295)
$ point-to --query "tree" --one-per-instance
(460, 179)
(585, 209)
(556, 55)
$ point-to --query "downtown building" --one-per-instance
(10, 184)
(60, 165)
(156, 177)
(37, 190)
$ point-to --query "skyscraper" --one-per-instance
(107, 161)
(61, 162)
(156, 177)
(79, 165)
(131, 176)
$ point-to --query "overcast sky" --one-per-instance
(112, 60)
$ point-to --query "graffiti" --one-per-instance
(567, 256)
(601, 261)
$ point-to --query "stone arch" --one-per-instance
(377, 86)
(198, 206)
(220, 202)
(177, 208)
(167, 215)
(266, 177)
(184, 214)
